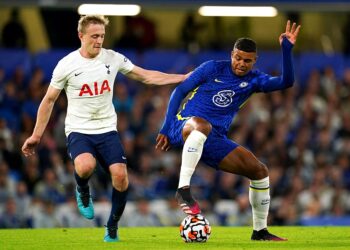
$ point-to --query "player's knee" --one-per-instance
(199, 124)
(203, 126)
(120, 181)
(261, 171)
(119, 176)
(206, 128)
(84, 165)
(85, 169)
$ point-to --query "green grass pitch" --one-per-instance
(168, 238)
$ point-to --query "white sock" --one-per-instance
(259, 197)
(191, 153)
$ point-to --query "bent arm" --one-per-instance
(197, 77)
(178, 94)
(154, 77)
(44, 111)
(176, 98)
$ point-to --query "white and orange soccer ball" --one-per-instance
(195, 228)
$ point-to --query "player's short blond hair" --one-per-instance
(84, 21)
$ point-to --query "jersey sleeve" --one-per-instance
(286, 80)
(125, 65)
(261, 80)
(59, 77)
(200, 74)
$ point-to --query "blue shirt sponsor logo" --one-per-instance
(223, 98)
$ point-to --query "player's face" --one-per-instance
(92, 40)
(242, 62)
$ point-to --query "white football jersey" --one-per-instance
(88, 84)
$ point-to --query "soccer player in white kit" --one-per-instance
(87, 75)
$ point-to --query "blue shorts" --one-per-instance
(216, 147)
(106, 147)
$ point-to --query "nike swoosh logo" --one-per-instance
(191, 150)
(76, 74)
(123, 157)
(217, 80)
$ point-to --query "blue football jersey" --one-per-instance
(219, 93)
(216, 94)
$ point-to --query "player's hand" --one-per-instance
(29, 146)
(162, 142)
(291, 33)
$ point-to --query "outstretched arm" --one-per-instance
(154, 77)
(43, 116)
(287, 41)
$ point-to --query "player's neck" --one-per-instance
(84, 53)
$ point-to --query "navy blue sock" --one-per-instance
(118, 205)
(82, 183)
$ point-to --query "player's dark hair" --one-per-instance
(245, 44)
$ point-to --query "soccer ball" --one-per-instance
(195, 228)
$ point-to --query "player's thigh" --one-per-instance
(241, 161)
(81, 151)
(216, 148)
(110, 150)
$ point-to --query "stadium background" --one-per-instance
(302, 134)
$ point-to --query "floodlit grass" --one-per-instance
(168, 238)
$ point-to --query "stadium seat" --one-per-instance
(312, 60)
(347, 62)
(269, 61)
(177, 61)
(326, 221)
(224, 209)
(12, 120)
(207, 55)
(47, 61)
(10, 59)
(173, 61)
(131, 54)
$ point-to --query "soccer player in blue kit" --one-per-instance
(218, 90)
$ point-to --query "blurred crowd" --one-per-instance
(301, 134)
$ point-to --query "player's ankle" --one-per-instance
(185, 193)
(184, 187)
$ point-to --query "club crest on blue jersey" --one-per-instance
(243, 84)
(223, 98)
